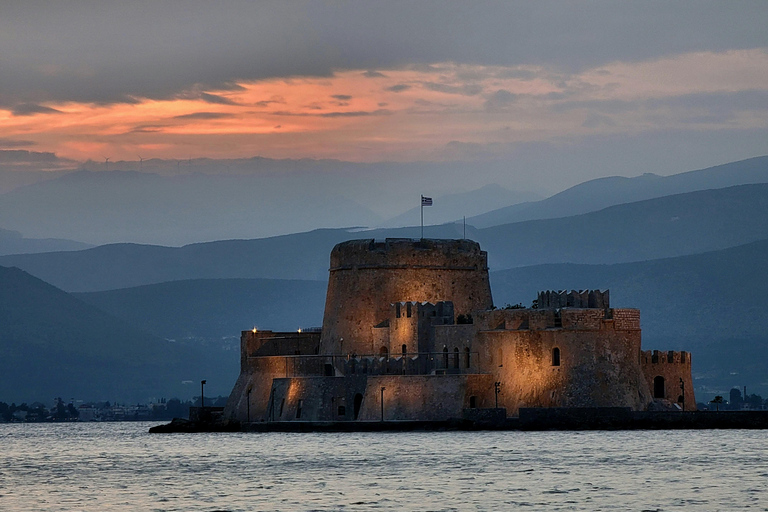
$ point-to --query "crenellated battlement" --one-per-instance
(552, 299)
(401, 253)
(653, 357)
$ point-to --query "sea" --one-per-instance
(120, 466)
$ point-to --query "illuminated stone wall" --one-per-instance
(366, 277)
(672, 366)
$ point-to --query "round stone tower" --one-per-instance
(367, 276)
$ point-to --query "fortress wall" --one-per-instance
(367, 276)
(412, 397)
(269, 343)
(597, 368)
(582, 319)
(626, 319)
(670, 366)
(254, 386)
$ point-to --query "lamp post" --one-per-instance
(382, 402)
(202, 394)
(497, 390)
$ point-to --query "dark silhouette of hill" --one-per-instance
(215, 308)
(712, 304)
(603, 192)
(53, 344)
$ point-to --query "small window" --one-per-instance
(405, 349)
(328, 370)
(342, 410)
(445, 357)
(658, 387)
(299, 405)
(473, 402)
(555, 356)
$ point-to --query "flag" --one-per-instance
(426, 201)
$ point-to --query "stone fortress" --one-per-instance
(410, 333)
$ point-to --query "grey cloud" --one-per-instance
(398, 88)
(147, 128)
(373, 74)
(24, 156)
(720, 107)
(15, 143)
(204, 115)
(596, 121)
(499, 100)
(357, 113)
(464, 90)
(157, 50)
(379, 112)
(30, 109)
(342, 97)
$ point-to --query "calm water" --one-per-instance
(119, 466)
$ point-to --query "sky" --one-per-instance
(560, 90)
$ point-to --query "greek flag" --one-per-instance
(426, 201)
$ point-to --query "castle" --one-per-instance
(410, 333)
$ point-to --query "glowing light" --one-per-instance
(299, 329)
(255, 330)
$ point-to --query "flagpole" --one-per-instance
(422, 217)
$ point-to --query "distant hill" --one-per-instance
(12, 242)
(453, 207)
(668, 226)
(712, 304)
(655, 228)
(55, 345)
(130, 206)
(600, 193)
(215, 308)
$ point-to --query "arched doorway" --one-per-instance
(555, 356)
(658, 387)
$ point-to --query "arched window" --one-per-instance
(456, 357)
(405, 349)
(466, 357)
(384, 352)
(658, 387)
(445, 357)
(555, 356)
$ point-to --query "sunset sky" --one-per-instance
(384, 81)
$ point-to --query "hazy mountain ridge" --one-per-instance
(452, 207)
(656, 228)
(56, 345)
(13, 242)
(600, 193)
(215, 308)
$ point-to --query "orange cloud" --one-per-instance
(396, 114)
